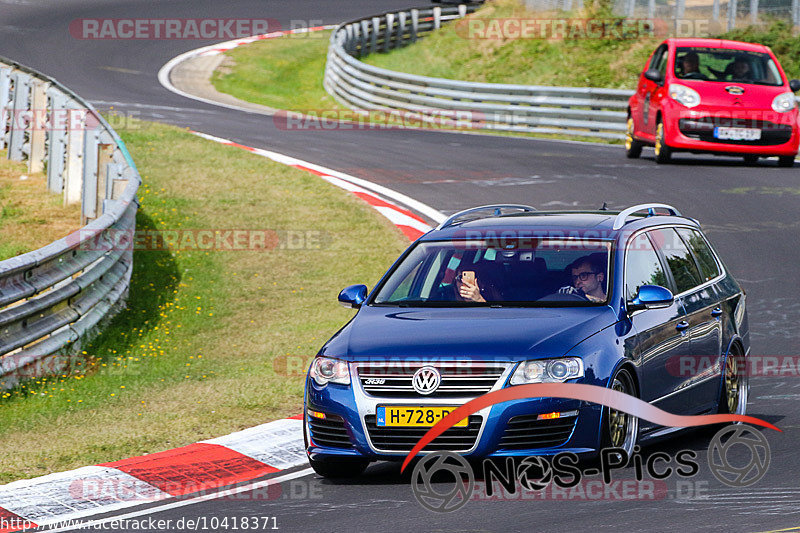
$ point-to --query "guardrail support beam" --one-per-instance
(5, 104)
(22, 89)
(73, 184)
(91, 140)
(37, 126)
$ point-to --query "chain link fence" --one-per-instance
(720, 15)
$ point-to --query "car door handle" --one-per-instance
(682, 325)
(716, 312)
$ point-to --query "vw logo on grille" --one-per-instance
(426, 380)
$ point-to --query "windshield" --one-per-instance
(533, 272)
(726, 65)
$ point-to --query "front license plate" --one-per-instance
(416, 416)
(737, 134)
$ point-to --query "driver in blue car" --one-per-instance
(588, 279)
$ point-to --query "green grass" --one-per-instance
(201, 350)
(285, 73)
(30, 215)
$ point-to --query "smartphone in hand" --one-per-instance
(468, 277)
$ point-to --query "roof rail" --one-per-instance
(651, 211)
(496, 208)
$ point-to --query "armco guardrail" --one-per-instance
(51, 298)
(588, 112)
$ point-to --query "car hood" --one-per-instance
(753, 97)
(507, 334)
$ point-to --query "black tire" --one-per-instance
(663, 152)
(338, 469)
(750, 159)
(633, 148)
(734, 390)
(620, 430)
(786, 161)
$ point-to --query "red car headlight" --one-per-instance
(784, 102)
(684, 95)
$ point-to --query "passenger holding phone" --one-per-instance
(467, 287)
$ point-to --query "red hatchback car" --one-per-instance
(714, 96)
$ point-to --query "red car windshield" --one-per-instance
(726, 65)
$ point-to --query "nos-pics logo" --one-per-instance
(444, 481)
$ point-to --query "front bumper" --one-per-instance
(693, 130)
(505, 429)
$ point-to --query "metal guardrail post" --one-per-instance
(795, 12)
(105, 157)
(387, 40)
(437, 17)
(91, 141)
(58, 142)
(731, 14)
(5, 110)
(364, 36)
(414, 24)
(401, 30)
(373, 36)
(462, 10)
(349, 29)
(753, 11)
(73, 182)
(37, 126)
(22, 89)
(680, 9)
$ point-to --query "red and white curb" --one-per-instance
(215, 49)
(202, 467)
(375, 195)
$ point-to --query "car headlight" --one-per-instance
(548, 371)
(784, 102)
(684, 95)
(326, 370)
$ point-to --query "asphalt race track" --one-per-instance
(749, 213)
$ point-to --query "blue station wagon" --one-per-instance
(503, 295)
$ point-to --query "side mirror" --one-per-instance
(651, 297)
(353, 296)
(653, 75)
(794, 85)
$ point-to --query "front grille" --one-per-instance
(703, 129)
(459, 379)
(523, 432)
(401, 439)
(330, 431)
